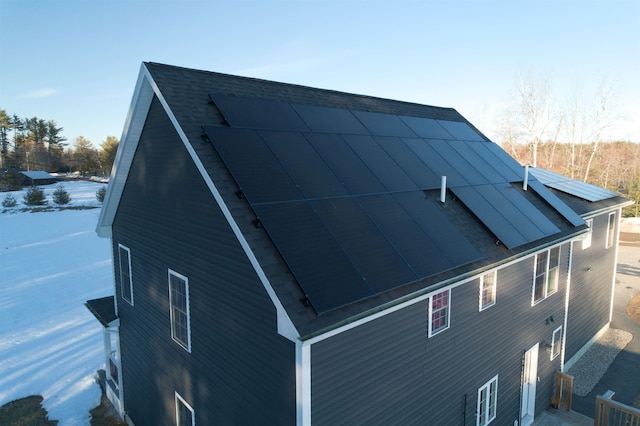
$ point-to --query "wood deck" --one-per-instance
(560, 417)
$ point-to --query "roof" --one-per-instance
(346, 188)
(103, 309)
(37, 175)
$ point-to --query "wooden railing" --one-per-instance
(564, 391)
(612, 413)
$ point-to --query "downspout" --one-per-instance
(566, 307)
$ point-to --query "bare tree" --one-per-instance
(601, 119)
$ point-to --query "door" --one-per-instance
(529, 380)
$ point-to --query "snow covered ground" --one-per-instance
(50, 264)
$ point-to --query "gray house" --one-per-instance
(290, 255)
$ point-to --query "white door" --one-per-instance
(529, 379)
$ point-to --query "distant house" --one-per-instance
(291, 255)
(35, 178)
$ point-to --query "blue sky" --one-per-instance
(76, 61)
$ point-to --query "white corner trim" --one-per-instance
(303, 383)
(286, 327)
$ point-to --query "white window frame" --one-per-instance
(611, 228)
(556, 342)
(186, 345)
(180, 400)
(492, 290)
(586, 239)
(484, 414)
(122, 279)
(550, 275)
(446, 308)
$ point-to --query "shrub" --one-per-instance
(100, 193)
(35, 197)
(61, 196)
(9, 201)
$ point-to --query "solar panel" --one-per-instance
(381, 165)
(323, 270)
(458, 161)
(555, 202)
(488, 170)
(415, 168)
(384, 124)
(258, 113)
(303, 165)
(426, 127)
(573, 187)
(461, 131)
(330, 120)
(256, 170)
(434, 161)
(511, 172)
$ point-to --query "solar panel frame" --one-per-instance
(426, 128)
(330, 120)
(568, 213)
(461, 131)
(380, 124)
(255, 113)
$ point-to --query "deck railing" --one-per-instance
(612, 413)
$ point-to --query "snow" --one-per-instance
(51, 262)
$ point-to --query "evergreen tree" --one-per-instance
(61, 196)
(35, 197)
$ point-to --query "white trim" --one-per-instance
(188, 406)
(545, 284)
(586, 242)
(616, 240)
(487, 386)
(431, 312)
(146, 88)
(494, 290)
(565, 321)
(583, 349)
(120, 246)
(186, 290)
(134, 123)
(553, 341)
(303, 383)
(611, 233)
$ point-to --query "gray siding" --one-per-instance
(591, 281)
(240, 371)
(388, 372)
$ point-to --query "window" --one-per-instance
(611, 235)
(184, 413)
(545, 276)
(586, 241)
(487, 290)
(487, 402)
(556, 342)
(179, 301)
(439, 312)
(126, 282)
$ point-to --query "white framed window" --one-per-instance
(545, 274)
(556, 342)
(185, 415)
(126, 280)
(179, 304)
(488, 290)
(487, 402)
(586, 240)
(439, 312)
(611, 227)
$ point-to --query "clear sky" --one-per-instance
(76, 61)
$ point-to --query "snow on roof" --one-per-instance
(37, 174)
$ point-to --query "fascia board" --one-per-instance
(134, 123)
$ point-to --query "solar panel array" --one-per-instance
(570, 186)
(349, 197)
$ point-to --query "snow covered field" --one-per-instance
(50, 264)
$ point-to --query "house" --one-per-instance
(291, 255)
(39, 177)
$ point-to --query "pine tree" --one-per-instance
(35, 197)
(61, 196)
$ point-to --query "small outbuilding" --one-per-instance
(38, 177)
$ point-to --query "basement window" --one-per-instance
(439, 304)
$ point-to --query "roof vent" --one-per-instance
(443, 189)
(525, 184)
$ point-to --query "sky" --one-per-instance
(76, 61)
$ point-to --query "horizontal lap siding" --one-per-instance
(591, 281)
(240, 371)
(388, 372)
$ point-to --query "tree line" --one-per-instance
(38, 144)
